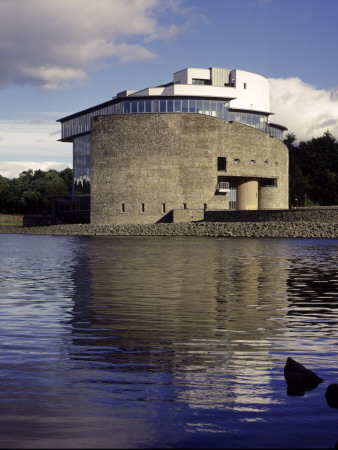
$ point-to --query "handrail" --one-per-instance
(223, 185)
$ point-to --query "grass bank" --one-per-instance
(10, 219)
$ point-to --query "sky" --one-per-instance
(58, 57)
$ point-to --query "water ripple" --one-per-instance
(168, 342)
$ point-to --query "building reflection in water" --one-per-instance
(198, 313)
(135, 342)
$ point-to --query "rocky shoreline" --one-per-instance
(213, 229)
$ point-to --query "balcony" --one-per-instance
(223, 187)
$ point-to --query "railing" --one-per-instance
(223, 186)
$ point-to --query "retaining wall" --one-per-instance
(316, 214)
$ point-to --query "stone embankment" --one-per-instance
(305, 229)
(314, 222)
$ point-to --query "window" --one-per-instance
(127, 107)
(268, 182)
(163, 207)
(237, 160)
(184, 206)
(221, 163)
(213, 108)
(141, 106)
(205, 206)
(142, 208)
(170, 105)
(219, 106)
(134, 106)
(156, 106)
(163, 106)
(206, 109)
(123, 208)
(244, 85)
(200, 81)
(192, 106)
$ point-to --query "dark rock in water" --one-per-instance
(331, 395)
(299, 378)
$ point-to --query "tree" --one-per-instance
(45, 188)
(67, 175)
(313, 174)
(4, 187)
(33, 191)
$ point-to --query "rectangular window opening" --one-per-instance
(170, 105)
(268, 182)
(163, 207)
(200, 81)
(123, 208)
(134, 106)
(142, 207)
(184, 206)
(222, 163)
(163, 106)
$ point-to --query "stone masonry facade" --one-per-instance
(145, 166)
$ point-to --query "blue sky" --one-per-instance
(61, 56)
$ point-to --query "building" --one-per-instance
(201, 142)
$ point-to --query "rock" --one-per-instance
(298, 378)
(331, 395)
(235, 229)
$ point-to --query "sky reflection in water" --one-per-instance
(165, 342)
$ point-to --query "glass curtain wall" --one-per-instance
(215, 108)
(82, 123)
(81, 165)
(276, 132)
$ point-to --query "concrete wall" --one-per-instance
(314, 215)
(255, 95)
(249, 91)
(187, 215)
(145, 165)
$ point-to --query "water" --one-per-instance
(125, 342)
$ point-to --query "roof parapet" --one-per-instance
(125, 93)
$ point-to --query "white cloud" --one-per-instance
(32, 137)
(306, 111)
(53, 43)
(12, 169)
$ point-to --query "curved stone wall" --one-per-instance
(145, 165)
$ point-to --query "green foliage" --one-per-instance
(67, 175)
(33, 191)
(313, 171)
(4, 188)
